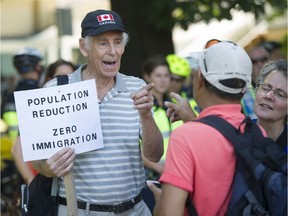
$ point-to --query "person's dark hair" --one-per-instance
(236, 83)
(151, 63)
(50, 74)
(271, 45)
(274, 65)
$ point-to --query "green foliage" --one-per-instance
(164, 14)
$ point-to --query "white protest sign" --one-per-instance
(52, 118)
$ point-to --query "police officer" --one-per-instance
(27, 62)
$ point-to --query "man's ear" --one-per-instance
(82, 47)
(200, 80)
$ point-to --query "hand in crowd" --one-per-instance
(61, 162)
(181, 110)
(143, 100)
(156, 191)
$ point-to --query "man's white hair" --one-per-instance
(88, 40)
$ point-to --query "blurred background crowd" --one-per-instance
(175, 30)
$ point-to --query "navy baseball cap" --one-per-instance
(100, 21)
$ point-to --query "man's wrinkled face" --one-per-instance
(105, 53)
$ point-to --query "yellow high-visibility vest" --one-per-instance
(165, 126)
(194, 106)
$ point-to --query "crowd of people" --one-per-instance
(28, 62)
(148, 126)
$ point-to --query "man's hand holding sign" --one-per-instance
(58, 116)
(53, 124)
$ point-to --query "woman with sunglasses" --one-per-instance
(271, 101)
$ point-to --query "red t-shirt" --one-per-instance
(202, 161)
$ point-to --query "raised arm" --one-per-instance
(151, 136)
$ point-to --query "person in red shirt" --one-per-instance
(200, 161)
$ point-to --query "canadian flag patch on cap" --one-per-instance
(105, 17)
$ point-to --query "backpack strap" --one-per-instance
(230, 132)
(221, 125)
(227, 130)
(62, 79)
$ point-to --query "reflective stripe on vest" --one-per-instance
(165, 126)
(194, 106)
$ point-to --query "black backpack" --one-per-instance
(260, 182)
(39, 198)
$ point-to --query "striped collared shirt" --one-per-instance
(114, 173)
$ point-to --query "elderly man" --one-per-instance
(109, 180)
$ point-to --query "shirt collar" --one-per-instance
(119, 84)
(221, 110)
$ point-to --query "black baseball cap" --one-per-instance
(100, 21)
